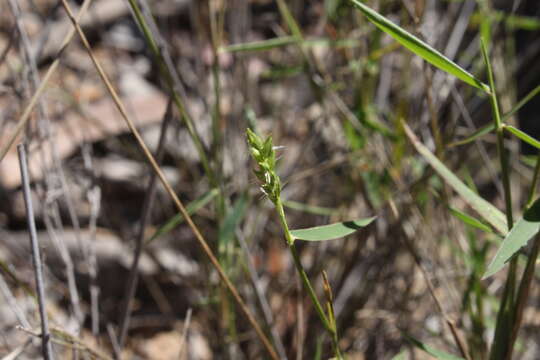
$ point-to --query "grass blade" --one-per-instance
(469, 220)
(522, 102)
(475, 135)
(235, 215)
(523, 136)
(177, 219)
(260, 45)
(419, 47)
(437, 354)
(518, 237)
(488, 212)
(332, 231)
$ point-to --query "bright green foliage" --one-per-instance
(419, 47)
(518, 237)
(264, 154)
(331, 231)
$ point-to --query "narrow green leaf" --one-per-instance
(523, 136)
(521, 233)
(268, 44)
(469, 220)
(289, 19)
(522, 102)
(488, 212)
(228, 227)
(419, 47)
(437, 354)
(177, 219)
(511, 21)
(475, 135)
(260, 45)
(332, 231)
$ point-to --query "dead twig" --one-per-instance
(36, 257)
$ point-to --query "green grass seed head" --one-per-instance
(265, 156)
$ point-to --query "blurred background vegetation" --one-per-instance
(124, 274)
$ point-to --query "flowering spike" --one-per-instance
(264, 155)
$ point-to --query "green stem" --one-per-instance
(502, 347)
(303, 275)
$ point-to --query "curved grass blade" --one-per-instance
(177, 219)
(488, 212)
(522, 102)
(332, 231)
(475, 135)
(437, 354)
(523, 136)
(521, 233)
(469, 220)
(419, 47)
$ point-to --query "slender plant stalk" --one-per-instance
(36, 256)
(501, 347)
(264, 154)
(150, 158)
(303, 275)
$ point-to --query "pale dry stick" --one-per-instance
(36, 256)
(70, 268)
(33, 83)
(208, 251)
(12, 302)
(147, 206)
(259, 292)
(15, 353)
(114, 341)
(183, 339)
(93, 194)
(50, 71)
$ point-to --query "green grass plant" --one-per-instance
(264, 154)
